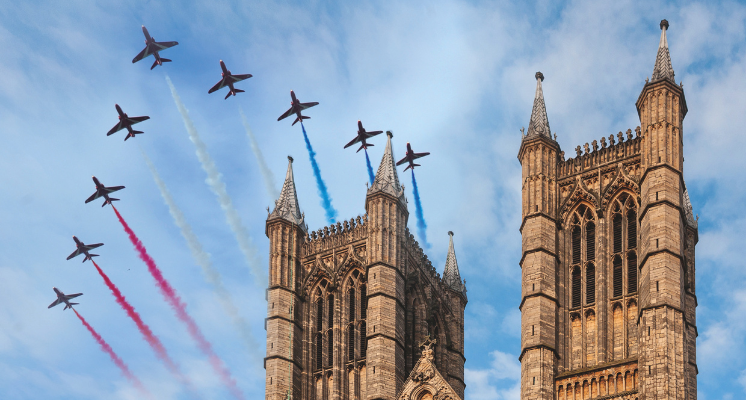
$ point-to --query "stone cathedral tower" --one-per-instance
(608, 305)
(356, 311)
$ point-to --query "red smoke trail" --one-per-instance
(114, 357)
(152, 340)
(180, 307)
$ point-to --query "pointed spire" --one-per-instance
(688, 210)
(539, 124)
(387, 179)
(663, 68)
(286, 207)
(451, 275)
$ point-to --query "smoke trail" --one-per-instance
(114, 357)
(269, 179)
(421, 225)
(371, 175)
(152, 340)
(203, 260)
(326, 201)
(179, 307)
(218, 187)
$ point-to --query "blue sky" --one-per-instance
(454, 78)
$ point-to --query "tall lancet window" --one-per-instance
(624, 244)
(318, 328)
(357, 299)
(583, 250)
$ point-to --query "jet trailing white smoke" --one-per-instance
(269, 179)
(203, 260)
(218, 187)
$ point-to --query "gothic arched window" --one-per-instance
(583, 233)
(576, 245)
(590, 284)
(590, 241)
(624, 241)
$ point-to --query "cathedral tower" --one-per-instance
(608, 303)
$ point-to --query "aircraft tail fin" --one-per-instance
(156, 62)
(229, 94)
(164, 60)
(109, 201)
(303, 116)
(364, 146)
(238, 90)
(296, 121)
(411, 166)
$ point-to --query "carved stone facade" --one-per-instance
(348, 304)
(608, 273)
(425, 381)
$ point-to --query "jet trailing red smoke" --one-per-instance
(173, 299)
(114, 357)
(144, 329)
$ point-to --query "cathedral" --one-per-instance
(355, 310)
(608, 306)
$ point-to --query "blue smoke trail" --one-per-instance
(371, 175)
(421, 225)
(326, 201)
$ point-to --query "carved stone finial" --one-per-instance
(450, 233)
(390, 134)
(578, 152)
(595, 145)
(611, 140)
(637, 132)
(664, 24)
(603, 142)
(585, 146)
(629, 134)
(539, 75)
(522, 131)
(290, 158)
(620, 135)
(562, 155)
(555, 136)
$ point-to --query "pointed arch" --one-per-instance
(620, 182)
(579, 193)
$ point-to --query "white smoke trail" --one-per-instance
(269, 179)
(218, 187)
(203, 260)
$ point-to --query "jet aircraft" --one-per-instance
(83, 248)
(104, 191)
(361, 136)
(228, 80)
(295, 108)
(64, 298)
(126, 121)
(153, 47)
(410, 157)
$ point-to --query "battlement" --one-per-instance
(594, 157)
(335, 235)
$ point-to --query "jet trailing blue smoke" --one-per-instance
(371, 175)
(326, 201)
(421, 224)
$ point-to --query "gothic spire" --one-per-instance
(539, 124)
(387, 180)
(286, 207)
(663, 68)
(451, 275)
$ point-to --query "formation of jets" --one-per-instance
(295, 108)
(103, 191)
(64, 298)
(361, 136)
(228, 80)
(126, 121)
(82, 248)
(410, 157)
(153, 47)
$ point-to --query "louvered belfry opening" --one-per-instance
(319, 314)
(319, 350)
(590, 284)
(617, 276)
(363, 302)
(351, 302)
(363, 340)
(631, 229)
(330, 335)
(590, 241)
(631, 272)
(319, 334)
(363, 315)
(351, 341)
(576, 286)
(617, 228)
(576, 245)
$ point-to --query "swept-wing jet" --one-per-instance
(83, 248)
(410, 157)
(228, 80)
(153, 47)
(104, 191)
(295, 108)
(64, 298)
(361, 136)
(126, 121)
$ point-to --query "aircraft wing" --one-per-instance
(135, 120)
(112, 189)
(72, 296)
(54, 303)
(303, 106)
(118, 127)
(144, 53)
(374, 133)
(93, 197)
(217, 86)
(287, 114)
(164, 45)
(418, 155)
(93, 246)
(75, 253)
(357, 139)
(239, 78)
(402, 161)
